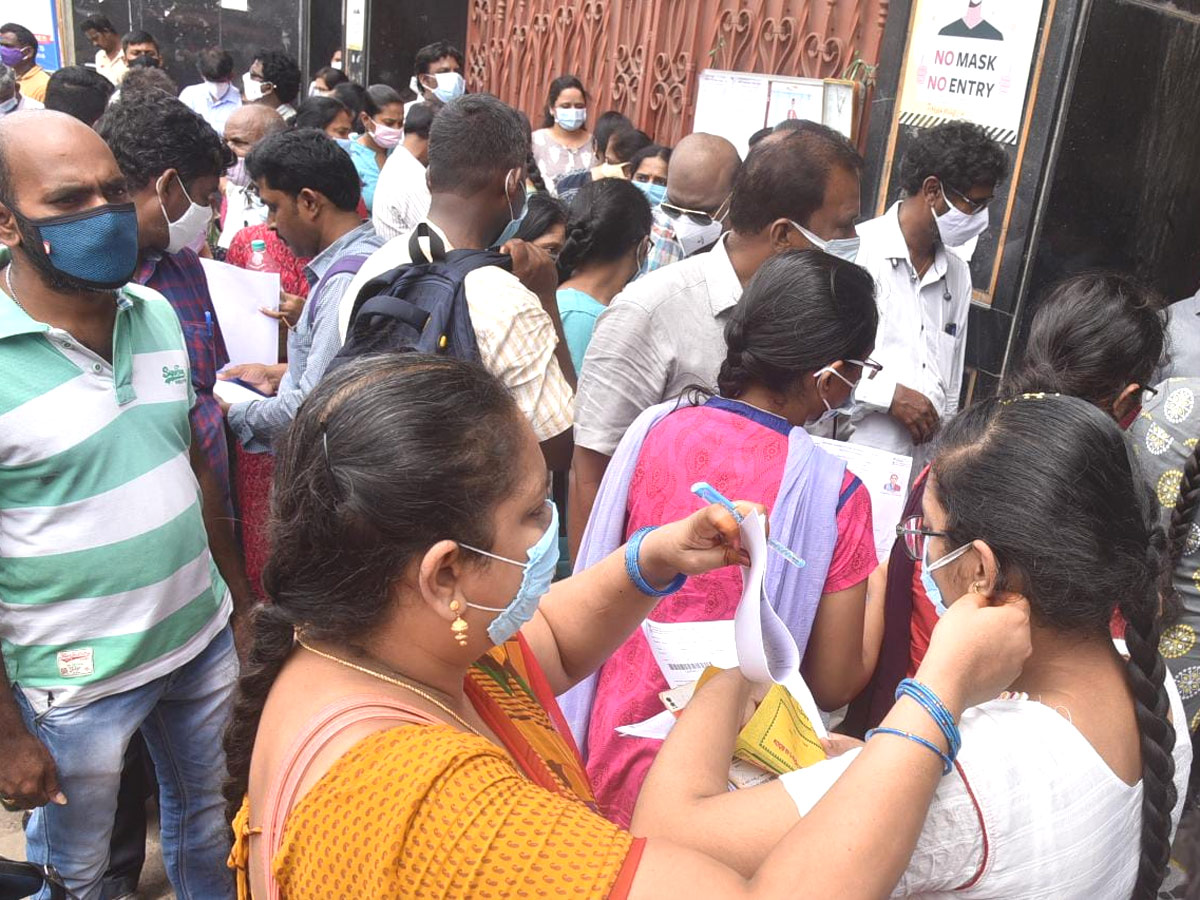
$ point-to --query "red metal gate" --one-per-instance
(642, 57)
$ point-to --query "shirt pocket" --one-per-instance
(202, 354)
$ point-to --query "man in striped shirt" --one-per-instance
(113, 614)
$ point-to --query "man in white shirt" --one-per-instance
(478, 147)
(437, 75)
(245, 128)
(110, 56)
(796, 190)
(215, 98)
(402, 194)
(274, 81)
(948, 177)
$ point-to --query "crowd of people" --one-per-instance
(377, 629)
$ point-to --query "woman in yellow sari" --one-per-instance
(396, 733)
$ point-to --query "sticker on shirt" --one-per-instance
(76, 663)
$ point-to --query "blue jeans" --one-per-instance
(182, 717)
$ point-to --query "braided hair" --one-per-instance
(605, 221)
(1082, 530)
(388, 455)
(535, 173)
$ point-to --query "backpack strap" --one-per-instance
(345, 265)
(314, 737)
(426, 245)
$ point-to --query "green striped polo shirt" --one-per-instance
(106, 581)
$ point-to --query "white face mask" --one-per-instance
(189, 227)
(693, 237)
(218, 89)
(386, 136)
(843, 248)
(252, 90)
(956, 227)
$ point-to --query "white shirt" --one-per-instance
(401, 195)
(515, 336)
(660, 335)
(242, 208)
(1031, 809)
(112, 69)
(28, 103)
(199, 99)
(922, 337)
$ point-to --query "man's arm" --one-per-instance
(28, 776)
(587, 471)
(222, 544)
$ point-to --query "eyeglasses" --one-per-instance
(913, 532)
(973, 205)
(869, 366)
(699, 217)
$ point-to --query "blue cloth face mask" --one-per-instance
(514, 224)
(842, 248)
(655, 193)
(932, 591)
(539, 573)
(96, 249)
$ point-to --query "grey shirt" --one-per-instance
(1183, 340)
(312, 344)
(664, 332)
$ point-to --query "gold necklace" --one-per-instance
(396, 681)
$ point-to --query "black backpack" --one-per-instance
(420, 306)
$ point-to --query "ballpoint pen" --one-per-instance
(710, 494)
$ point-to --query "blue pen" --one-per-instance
(208, 323)
(710, 494)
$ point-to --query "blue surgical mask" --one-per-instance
(96, 249)
(849, 408)
(932, 591)
(514, 224)
(842, 248)
(539, 573)
(655, 193)
(344, 143)
(570, 119)
(450, 86)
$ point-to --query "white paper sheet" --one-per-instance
(232, 392)
(766, 650)
(238, 295)
(886, 476)
(656, 727)
(683, 650)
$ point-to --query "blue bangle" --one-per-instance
(932, 704)
(632, 553)
(947, 764)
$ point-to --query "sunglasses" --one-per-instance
(696, 216)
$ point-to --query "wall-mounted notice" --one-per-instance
(734, 105)
(970, 59)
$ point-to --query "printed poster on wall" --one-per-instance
(970, 59)
(40, 17)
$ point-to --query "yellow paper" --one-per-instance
(779, 737)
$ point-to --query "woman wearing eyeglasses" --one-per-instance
(1070, 783)
(798, 343)
(1097, 336)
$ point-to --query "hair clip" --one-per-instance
(1032, 395)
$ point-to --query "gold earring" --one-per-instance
(459, 626)
(976, 587)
